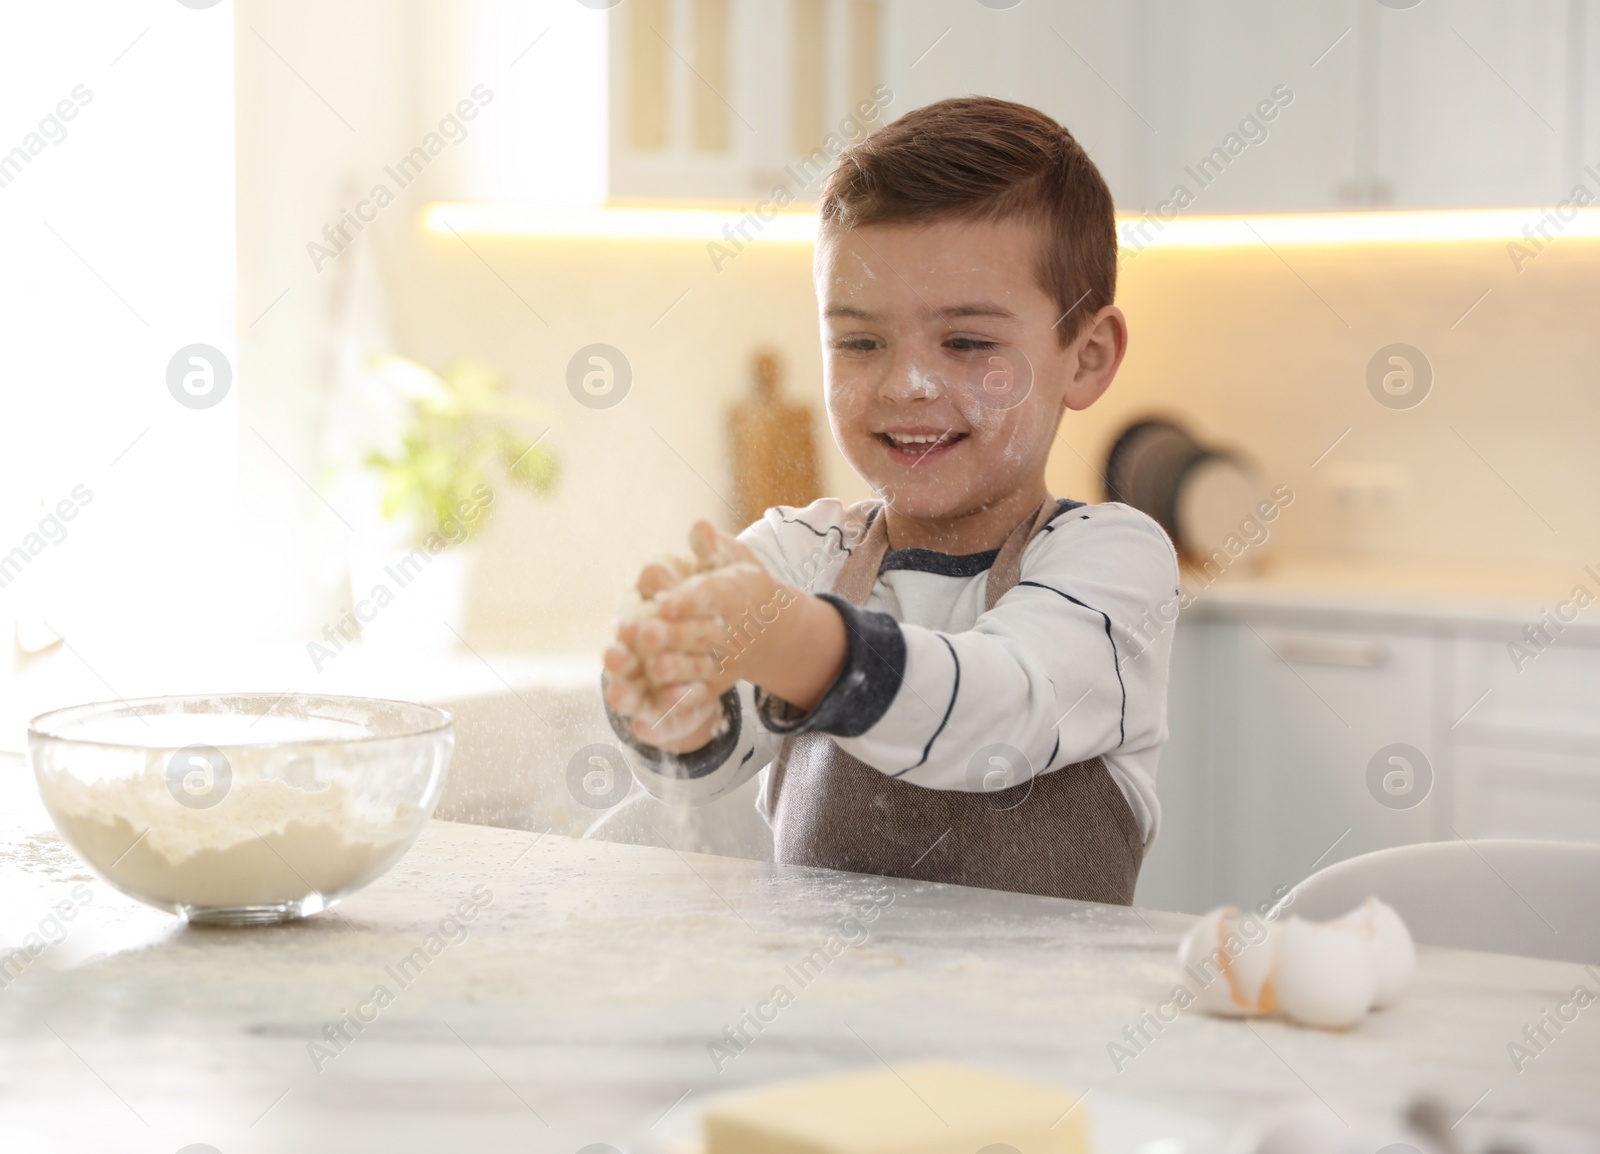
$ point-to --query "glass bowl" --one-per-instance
(245, 808)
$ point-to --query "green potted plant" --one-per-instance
(461, 439)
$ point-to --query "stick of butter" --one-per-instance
(927, 1108)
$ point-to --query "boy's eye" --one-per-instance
(857, 344)
(970, 344)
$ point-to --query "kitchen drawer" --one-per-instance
(1277, 717)
(1552, 703)
(1528, 794)
(1190, 866)
(1311, 709)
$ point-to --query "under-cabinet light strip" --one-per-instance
(738, 226)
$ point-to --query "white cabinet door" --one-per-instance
(747, 101)
(1289, 737)
(1332, 740)
(1522, 691)
(1267, 773)
(1473, 103)
(1525, 715)
(1190, 866)
(1526, 794)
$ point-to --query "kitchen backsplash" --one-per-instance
(1263, 349)
(1270, 350)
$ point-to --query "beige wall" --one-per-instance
(1237, 342)
(634, 477)
(1231, 340)
(1234, 340)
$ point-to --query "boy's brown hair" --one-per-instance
(977, 158)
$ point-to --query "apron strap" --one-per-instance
(859, 573)
(1007, 568)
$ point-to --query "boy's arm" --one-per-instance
(740, 747)
(722, 765)
(1070, 664)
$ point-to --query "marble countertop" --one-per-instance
(1466, 597)
(581, 1002)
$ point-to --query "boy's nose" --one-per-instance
(912, 382)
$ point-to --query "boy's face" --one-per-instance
(945, 380)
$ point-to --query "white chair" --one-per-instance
(1536, 898)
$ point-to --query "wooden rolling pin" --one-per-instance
(773, 445)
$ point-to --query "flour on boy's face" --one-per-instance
(942, 364)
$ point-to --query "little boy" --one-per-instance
(945, 683)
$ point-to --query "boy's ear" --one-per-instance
(1096, 354)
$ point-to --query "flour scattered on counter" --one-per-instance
(265, 842)
(449, 931)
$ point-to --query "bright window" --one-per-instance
(117, 499)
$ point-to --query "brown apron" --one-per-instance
(1069, 833)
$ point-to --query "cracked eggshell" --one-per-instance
(1325, 974)
(1229, 958)
(1394, 955)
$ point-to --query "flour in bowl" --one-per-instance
(266, 842)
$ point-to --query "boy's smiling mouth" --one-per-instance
(913, 446)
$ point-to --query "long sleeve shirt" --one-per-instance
(1069, 664)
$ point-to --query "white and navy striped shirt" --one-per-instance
(1068, 665)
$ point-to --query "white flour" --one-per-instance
(265, 842)
(642, 611)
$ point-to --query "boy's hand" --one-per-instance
(733, 621)
(675, 717)
(738, 622)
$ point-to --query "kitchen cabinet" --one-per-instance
(1464, 105)
(1304, 734)
(722, 99)
(1311, 708)
(1526, 793)
(1527, 759)
(1191, 862)
(1527, 698)
(1382, 106)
